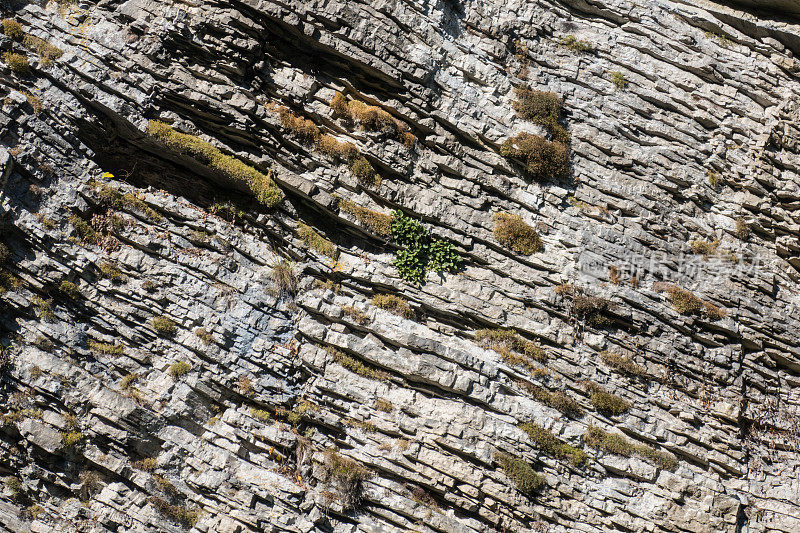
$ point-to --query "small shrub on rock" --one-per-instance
(576, 45)
(543, 108)
(355, 314)
(619, 80)
(284, 280)
(512, 232)
(47, 52)
(594, 310)
(742, 229)
(70, 289)
(419, 251)
(704, 247)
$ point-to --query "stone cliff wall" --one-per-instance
(178, 352)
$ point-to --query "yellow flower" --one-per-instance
(108, 175)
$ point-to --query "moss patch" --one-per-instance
(266, 192)
(619, 445)
(512, 232)
(543, 159)
(524, 477)
(552, 445)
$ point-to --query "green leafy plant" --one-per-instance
(419, 251)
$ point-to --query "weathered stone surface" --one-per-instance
(114, 424)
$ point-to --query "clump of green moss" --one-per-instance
(511, 231)
(12, 28)
(623, 364)
(70, 289)
(544, 108)
(556, 399)
(316, 241)
(543, 159)
(111, 272)
(148, 464)
(394, 304)
(179, 369)
(514, 349)
(44, 307)
(362, 170)
(520, 472)
(177, 513)
(552, 445)
(111, 196)
(356, 366)
(106, 348)
(70, 438)
(47, 52)
(346, 476)
(86, 233)
(164, 326)
(260, 414)
(687, 303)
(605, 402)
(18, 63)
(576, 45)
(619, 445)
(377, 222)
(619, 80)
(266, 192)
(594, 310)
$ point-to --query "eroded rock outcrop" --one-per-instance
(179, 353)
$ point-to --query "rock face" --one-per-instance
(179, 353)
